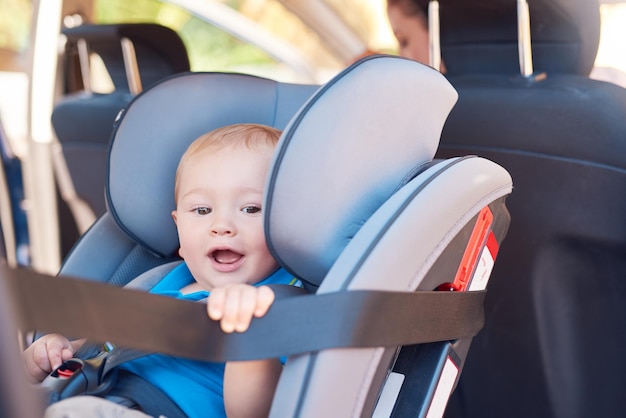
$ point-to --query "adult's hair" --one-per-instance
(411, 7)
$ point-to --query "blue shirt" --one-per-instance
(195, 386)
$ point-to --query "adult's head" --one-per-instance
(409, 23)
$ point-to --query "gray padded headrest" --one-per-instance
(346, 152)
(338, 160)
(157, 127)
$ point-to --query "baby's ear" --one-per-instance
(174, 216)
(180, 253)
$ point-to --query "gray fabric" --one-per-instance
(340, 158)
(172, 115)
(338, 165)
(150, 278)
(99, 253)
(105, 254)
(393, 251)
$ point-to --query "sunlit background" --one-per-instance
(213, 49)
(209, 47)
(260, 37)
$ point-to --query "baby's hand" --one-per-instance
(235, 305)
(46, 354)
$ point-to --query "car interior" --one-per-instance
(554, 312)
(368, 219)
(554, 308)
(135, 56)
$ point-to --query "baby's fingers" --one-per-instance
(58, 350)
(215, 304)
(264, 299)
(235, 306)
(47, 354)
(36, 362)
(240, 310)
(247, 303)
(225, 305)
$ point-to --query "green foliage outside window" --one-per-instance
(209, 47)
(14, 24)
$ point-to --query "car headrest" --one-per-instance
(481, 36)
(80, 118)
(343, 153)
(155, 130)
(159, 50)
(346, 152)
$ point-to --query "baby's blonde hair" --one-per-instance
(242, 134)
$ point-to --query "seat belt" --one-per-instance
(144, 394)
(155, 323)
(99, 376)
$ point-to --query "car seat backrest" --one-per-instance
(560, 135)
(171, 114)
(168, 116)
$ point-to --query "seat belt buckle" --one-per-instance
(79, 377)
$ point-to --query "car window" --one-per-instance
(15, 26)
(15, 17)
(214, 48)
(610, 62)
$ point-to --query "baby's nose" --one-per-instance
(222, 226)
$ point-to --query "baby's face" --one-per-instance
(219, 216)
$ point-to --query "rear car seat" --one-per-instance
(83, 119)
(554, 311)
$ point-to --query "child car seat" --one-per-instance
(355, 164)
(136, 56)
(554, 320)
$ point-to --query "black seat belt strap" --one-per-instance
(154, 323)
(145, 395)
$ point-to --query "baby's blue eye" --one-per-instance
(203, 211)
(251, 209)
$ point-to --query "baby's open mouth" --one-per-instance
(226, 256)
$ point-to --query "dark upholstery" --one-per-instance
(83, 121)
(160, 51)
(480, 37)
(556, 311)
